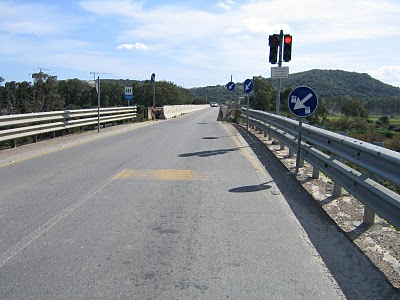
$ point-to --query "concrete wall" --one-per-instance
(171, 111)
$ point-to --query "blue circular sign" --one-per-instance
(303, 101)
(248, 86)
(231, 86)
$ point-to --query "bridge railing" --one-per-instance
(359, 167)
(13, 127)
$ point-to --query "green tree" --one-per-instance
(263, 96)
(354, 108)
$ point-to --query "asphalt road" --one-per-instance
(179, 209)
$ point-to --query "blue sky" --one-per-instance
(196, 43)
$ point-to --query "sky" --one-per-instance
(195, 43)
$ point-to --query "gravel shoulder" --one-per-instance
(380, 242)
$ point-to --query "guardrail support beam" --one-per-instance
(369, 216)
(315, 173)
(337, 190)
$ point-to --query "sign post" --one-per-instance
(153, 79)
(248, 88)
(128, 93)
(231, 87)
(302, 102)
(98, 103)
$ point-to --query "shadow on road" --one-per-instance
(251, 188)
(355, 274)
(209, 152)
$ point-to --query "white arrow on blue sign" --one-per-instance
(231, 86)
(303, 101)
(248, 86)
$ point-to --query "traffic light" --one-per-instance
(287, 49)
(273, 50)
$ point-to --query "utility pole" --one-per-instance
(98, 96)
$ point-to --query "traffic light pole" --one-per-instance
(278, 94)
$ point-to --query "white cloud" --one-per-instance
(136, 46)
(231, 40)
(125, 8)
(389, 74)
(225, 5)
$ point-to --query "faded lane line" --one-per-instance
(244, 148)
(74, 144)
(162, 175)
(9, 254)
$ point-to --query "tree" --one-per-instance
(354, 108)
(264, 94)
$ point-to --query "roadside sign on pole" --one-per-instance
(128, 93)
(303, 101)
(279, 72)
(153, 77)
(231, 86)
(248, 86)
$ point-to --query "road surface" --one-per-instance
(178, 209)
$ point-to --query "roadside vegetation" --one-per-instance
(348, 102)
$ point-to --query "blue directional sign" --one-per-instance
(303, 101)
(248, 86)
(153, 77)
(231, 86)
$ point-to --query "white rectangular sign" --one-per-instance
(279, 73)
(128, 91)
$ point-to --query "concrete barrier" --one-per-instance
(171, 111)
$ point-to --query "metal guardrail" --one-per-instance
(13, 127)
(330, 152)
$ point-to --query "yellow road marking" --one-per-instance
(162, 174)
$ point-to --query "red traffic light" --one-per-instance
(288, 39)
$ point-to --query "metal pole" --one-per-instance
(278, 93)
(154, 93)
(98, 105)
(230, 104)
(248, 105)
(299, 145)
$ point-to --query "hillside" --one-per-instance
(334, 87)
(337, 83)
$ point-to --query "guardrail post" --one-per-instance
(54, 134)
(282, 146)
(14, 144)
(315, 173)
(301, 162)
(337, 190)
(35, 138)
(291, 153)
(369, 216)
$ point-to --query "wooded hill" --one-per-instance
(334, 87)
(333, 83)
